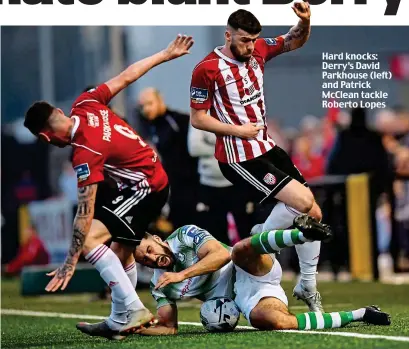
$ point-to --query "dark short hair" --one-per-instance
(245, 20)
(37, 116)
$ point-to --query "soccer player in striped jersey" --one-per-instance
(228, 83)
(191, 263)
(122, 186)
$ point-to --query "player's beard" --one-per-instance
(236, 53)
(165, 260)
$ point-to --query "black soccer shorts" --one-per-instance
(263, 177)
(128, 213)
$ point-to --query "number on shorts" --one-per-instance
(127, 132)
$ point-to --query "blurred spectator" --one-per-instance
(217, 196)
(31, 252)
(395, 126)
(25, 178)
(359, 150)
(168, 131)
(68, 185)
(311, 164)
(277, 134)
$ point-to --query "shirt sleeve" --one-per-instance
(270, 47)
(158, 295)
(88, 165)
(201, 89)
(102, 94)
(194, 237)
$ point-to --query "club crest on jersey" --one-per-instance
(93, 120)
(181, 257)
(199, 95)
(271, 41)
(250, 90)
(253, 63)
(82, 172)
(270, 179)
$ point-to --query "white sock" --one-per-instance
(113, 273)
(282, 217)
(132, 273)
(358, 314)
(118, 317)
(308, 256)
(119, 310)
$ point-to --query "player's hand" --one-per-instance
(249, 130)
(169, 278)
(178, 47)
(62, 276)
(302, 10)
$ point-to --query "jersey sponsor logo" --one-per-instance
(106, 128)
(82, 172)
(271, 41)
(270, 179)
(186, 288)
(196, 233)
(199, 95)
(251, 99)
(93, 120)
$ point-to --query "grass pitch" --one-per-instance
(50, 331)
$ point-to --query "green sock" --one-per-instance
(275, 240)
(317, 320)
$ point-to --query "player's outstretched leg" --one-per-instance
(307, 240)
(271, 314)
(308, 230)
(297, 199)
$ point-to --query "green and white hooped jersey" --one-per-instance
(184, 243)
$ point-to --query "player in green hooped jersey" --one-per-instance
(192, 263)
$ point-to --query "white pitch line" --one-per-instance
(94, 317)
(48, 314)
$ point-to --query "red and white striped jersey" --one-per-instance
(233, 92)
(106, 147)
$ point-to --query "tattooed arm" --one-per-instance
(300, 33)
(82, 224)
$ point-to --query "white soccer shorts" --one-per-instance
(251, 289)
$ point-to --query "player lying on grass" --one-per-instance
(192, 263)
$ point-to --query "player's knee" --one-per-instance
(267, 321)
(89, 244)
(92, 240)
(306, 202)
(316, 212)
(241, 251)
